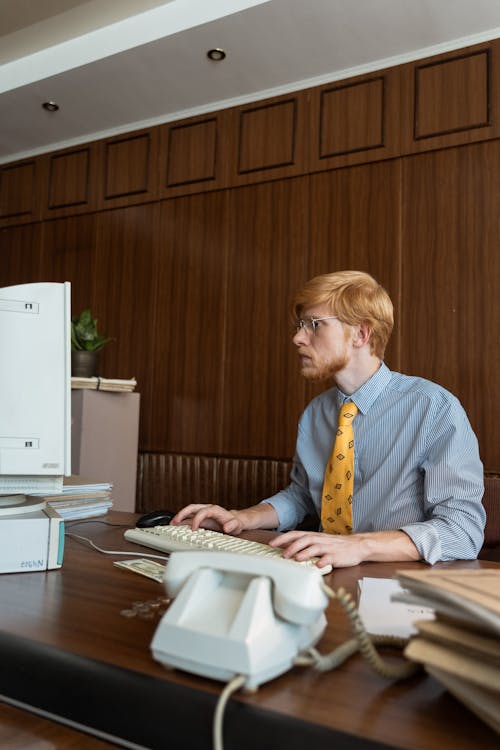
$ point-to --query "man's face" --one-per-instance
(325, 351)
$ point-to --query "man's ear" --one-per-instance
(361, 336)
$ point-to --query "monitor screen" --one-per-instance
(35, 387)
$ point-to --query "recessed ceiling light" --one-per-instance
(216, 54)
(50, 106)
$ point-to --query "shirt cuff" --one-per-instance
(284, 510)
(426, 539)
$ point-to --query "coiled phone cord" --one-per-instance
(361, 642)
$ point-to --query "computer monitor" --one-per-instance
(35, 388)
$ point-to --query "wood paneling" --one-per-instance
(451, 275)
(191, 152)
(20, 250)
(355, 121)
(355, 224)
(268, 139)
(129, 169)
(256, 150)
(193, 158)
(232, 482)
(264, 392)
(125, 283)
(451, 99)
(71, 178)
(20, 192)
(188, 389)
(352, 118)
(461, 87)
(69, 254)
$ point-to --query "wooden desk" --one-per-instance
(66, 649)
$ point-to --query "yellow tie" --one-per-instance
(336, 505)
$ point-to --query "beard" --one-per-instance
(320, 371)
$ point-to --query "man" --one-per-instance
(414, 486)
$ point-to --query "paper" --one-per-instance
(381, 615)
(81, 511)
(104, 384)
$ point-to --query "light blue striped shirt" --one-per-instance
(416, 465)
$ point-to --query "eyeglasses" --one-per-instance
(310, 325)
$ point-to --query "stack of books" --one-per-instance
(104, 384)
(461, 647)
(79, 498)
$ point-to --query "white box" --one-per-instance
(31, 541)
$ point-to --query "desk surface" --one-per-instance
(66, 649)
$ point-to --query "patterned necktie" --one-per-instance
(336, 505)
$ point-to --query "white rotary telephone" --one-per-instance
(235, 614)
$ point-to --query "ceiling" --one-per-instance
(117, 65)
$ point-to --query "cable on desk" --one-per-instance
(361, 642)
(76, 522)
(230, 688)
(77, 537)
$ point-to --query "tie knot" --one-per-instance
(347, 413)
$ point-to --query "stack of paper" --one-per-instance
(104, 384)
(81, 498)
(461, 648)
(77, 485)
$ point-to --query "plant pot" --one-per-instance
(84, 364)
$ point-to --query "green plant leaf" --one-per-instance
(84, 334)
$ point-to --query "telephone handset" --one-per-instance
(236, 614)
(297, 593)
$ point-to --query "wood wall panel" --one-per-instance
(69, 254)
(355, 224)
(124, 294)
(451, 99)
(129, 169)
(352, 118)
(191, 152)
(193, 155)
(20, 192)
(451, 276)
(268, 140)
(257, 151)
(461, 86)
(71, 176)
(355, 121)
(20, 252)
(188, 389)
(267, 263)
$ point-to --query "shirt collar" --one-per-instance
(366, 396)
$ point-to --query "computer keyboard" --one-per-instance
(175, 538)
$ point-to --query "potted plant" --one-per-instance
(86, 343)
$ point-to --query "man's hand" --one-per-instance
(196, 515)
(344, 550)
(214, 517)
